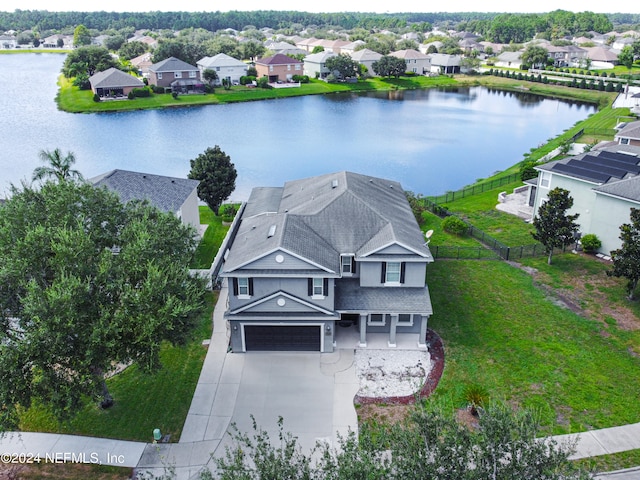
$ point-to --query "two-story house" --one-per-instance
(417, 62)
(226, 67)
(604, 185)
(322, 254)
(173, 72)
(278, 68)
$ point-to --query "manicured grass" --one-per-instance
(71, 99)
(500, 331)
(211, 241)
(70, 471)
(143, 402)
(610, 463)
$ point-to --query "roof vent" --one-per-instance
(334, 183)
(272, 231)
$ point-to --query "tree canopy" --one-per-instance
(87, 60)
(86, 282)
(625, 57)
(81, 36)
(59, 166)
(535, 56)
(626, 259)
(554, 227)
(217, 176)
(389, 66)
(343, 64)
(429, 444)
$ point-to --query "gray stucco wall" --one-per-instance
(608, 214)
(189, 211)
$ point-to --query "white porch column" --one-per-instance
(422, 339)
(392, 330)
(363, 330)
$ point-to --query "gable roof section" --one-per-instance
(409, 54)
(444, 60)
(171, 64)
(320, 57)
(277, 59)
(366, 55)
(628, 189)
(166, 193)
(631, 130)
(113, 78)
(221, 60)
(319, 218)
(306, 306)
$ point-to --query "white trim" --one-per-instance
(409, 249)
(400, 323)
(376, 323)
(299, 257)
(279, 293)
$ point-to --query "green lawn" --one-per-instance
(500, 331)
(211, 241)
(143, 402)
(71, 99)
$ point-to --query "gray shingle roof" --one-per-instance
(114, 78)
(221, 60)
(166, 193)
(628, 189)
(172, 64)
(350, 296)
(321, 217)
(630, 130)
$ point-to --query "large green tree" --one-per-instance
(535, 56)
(626, 259)
(625, 57)
(217, 176)
(88, 60)
(81, 36)
(389, 66)
(86, 283)
(343, 65)
(58, 166)
(554, 227)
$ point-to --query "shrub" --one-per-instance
(613, 75)
(263, 82)
(174, 95)
(157, 89)
(300, 78)
(141, 92)
(590, 243)
(331, 78)
(476, 397)
(96, 97)
(252, 72)
(455, 225)
(247, 79)
(130, 95)
(527, 171)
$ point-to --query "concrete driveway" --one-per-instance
(313, 393)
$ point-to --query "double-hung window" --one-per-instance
(348, 264)
(545, 179)
(318, 287)
(177, 74)
(243, 287)
(392, 273)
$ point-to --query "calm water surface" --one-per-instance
(429, 140)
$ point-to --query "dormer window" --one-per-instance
(348, 264)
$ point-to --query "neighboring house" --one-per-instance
(284, 47)
(350, 48)
(99, 40)
(629, 134)
(566, 56)
(180, 76)
(314, 64)
(174, 195)
(146, 39)
(604, 185)
(417, 62)
(601, 57)
(278, 68)
(113, 83)
(142, 63)
(307, 44)
(8, 42)
(225, 66)
(366, 57)
(622, 42)
(55, 41)
(324, 255)
(509, 59)
(445, 64)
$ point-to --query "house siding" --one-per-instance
(371, 273)
(189, 211)
(608, 214)
(265, 286)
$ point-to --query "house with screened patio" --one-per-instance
(322, 256)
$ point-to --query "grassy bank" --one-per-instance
(212, 239)
(72, 99)
(502, 331)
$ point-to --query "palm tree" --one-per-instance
(59, 167)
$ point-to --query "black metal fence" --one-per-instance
(475, 189)
(491, 248)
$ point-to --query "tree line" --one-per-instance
(501, 28)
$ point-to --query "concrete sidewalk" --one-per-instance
(604, 441)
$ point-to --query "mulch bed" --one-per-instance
(436, 350)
